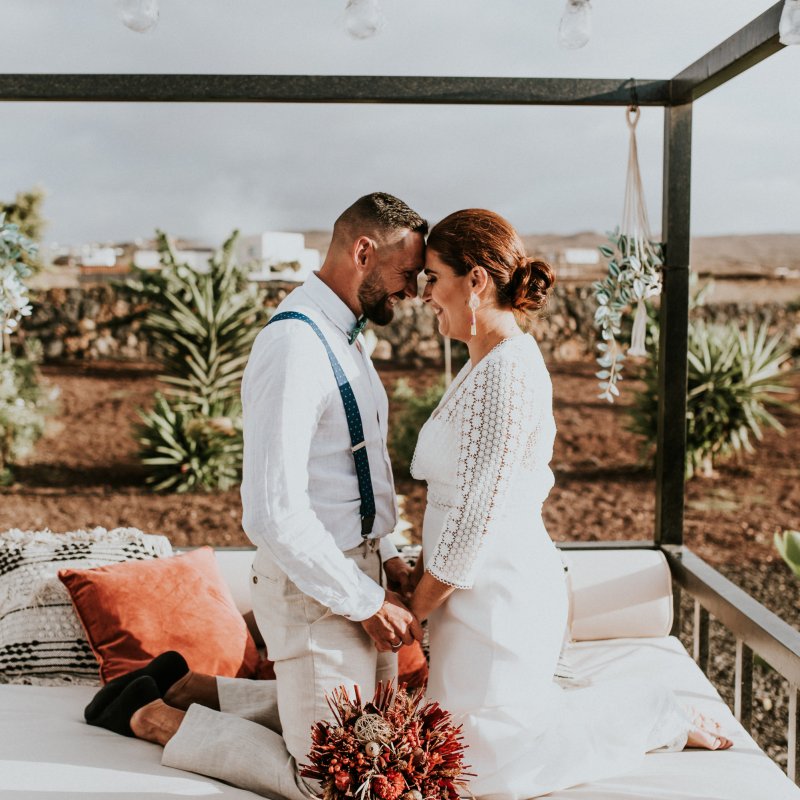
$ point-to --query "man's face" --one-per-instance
(393, 277)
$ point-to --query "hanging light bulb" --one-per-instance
(789, 26)
(576, 24)
(139, 15)
(363, 18)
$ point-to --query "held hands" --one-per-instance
(393, 625)
(399, 577)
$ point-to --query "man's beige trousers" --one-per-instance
(263, 729)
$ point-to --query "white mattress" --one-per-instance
(47, 751)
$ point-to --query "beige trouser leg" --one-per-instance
(314, 650)
(253, 700)
(234, 750)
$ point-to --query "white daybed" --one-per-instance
(48, 752)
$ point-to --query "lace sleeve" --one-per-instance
(491, 419)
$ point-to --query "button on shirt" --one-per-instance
(300, 494)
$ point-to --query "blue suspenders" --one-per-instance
(357, 444)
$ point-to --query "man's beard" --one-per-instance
(374, 299)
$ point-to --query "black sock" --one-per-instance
(164, 669)
(116, 716)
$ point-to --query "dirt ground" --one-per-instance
(85, 473)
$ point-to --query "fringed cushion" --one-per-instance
(41, 639)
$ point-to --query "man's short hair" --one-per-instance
(379, 214)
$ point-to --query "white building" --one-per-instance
(151, 260)
(581, 255)
(277, 255)
(92, 255)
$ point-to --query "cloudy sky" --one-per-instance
(116, 172)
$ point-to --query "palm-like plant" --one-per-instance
(204, 324)
(733, 376)
(186, 451)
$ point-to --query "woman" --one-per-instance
(493, 582)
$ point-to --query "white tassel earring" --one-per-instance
(474, 302)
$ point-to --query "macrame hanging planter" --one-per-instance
(634, 275)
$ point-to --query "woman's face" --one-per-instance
(448, 295)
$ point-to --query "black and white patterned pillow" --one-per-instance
(41, 639)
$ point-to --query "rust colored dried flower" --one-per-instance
(422, 753)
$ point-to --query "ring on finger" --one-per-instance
(397, 645)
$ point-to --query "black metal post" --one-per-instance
(674, 326)
(700, 637)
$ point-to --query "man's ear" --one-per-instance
(478, 279)
(363, 251)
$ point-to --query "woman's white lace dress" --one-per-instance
(495, 642)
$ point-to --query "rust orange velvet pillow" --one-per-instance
(135, 610)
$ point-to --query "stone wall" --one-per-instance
(98, 322)
(91, 322)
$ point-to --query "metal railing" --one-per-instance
(757, 631)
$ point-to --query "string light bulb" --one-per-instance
(363, 18)
(575, 27)
(140, 16)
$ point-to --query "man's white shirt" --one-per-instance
(300, 495)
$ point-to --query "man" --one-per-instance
(300, 492)
(318, 511)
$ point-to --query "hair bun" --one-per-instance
(529, 284)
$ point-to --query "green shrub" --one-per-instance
(733, 376)
(23, 403)
(203, 325)
(404, 429)
(24, 407)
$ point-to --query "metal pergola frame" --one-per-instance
(756, 629)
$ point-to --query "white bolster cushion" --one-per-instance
(234, 563)
(613, 593)
(618, 594)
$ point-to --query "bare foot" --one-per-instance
(706, 734)
(156, 722)
(193, 687)
(178, 694)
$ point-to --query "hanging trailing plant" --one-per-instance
(634, 276)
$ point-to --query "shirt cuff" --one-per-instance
(388, 549)
(371, 600)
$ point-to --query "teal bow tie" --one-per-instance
(361, 323)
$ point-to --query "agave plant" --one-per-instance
(186, 451)
(204, 324)
(733, 377)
